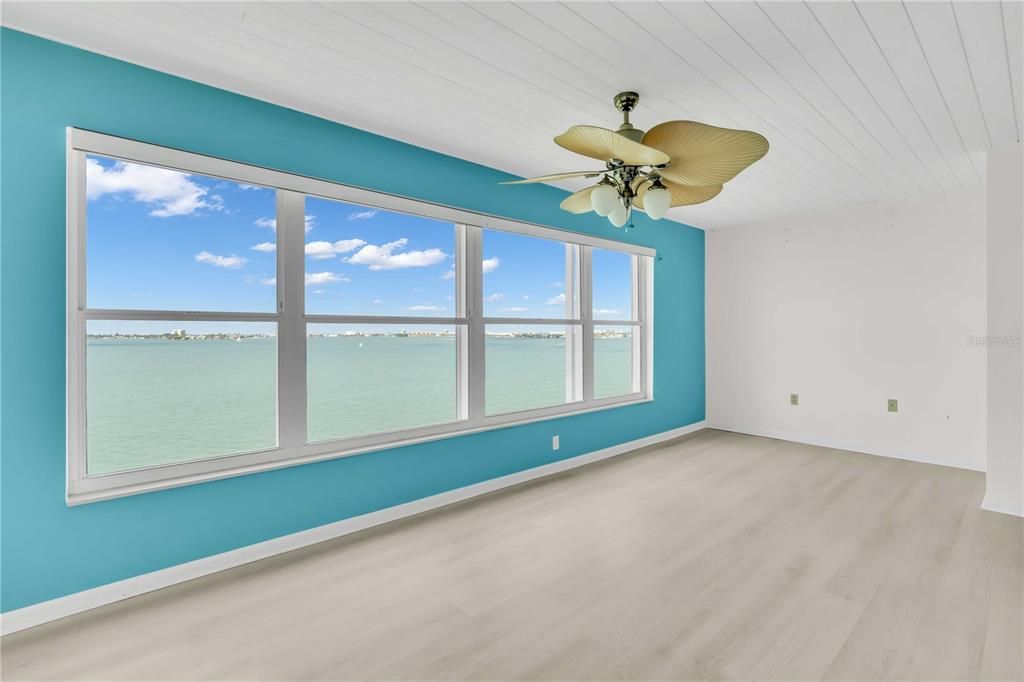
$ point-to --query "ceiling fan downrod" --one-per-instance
(626, 102)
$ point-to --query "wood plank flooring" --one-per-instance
(717, 556)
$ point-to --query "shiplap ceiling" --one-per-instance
(861, 102)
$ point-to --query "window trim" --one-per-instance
(291, 320)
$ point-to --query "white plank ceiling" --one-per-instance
(862, 102)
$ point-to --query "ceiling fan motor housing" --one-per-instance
(626, 101)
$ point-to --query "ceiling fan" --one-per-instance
(676, 163)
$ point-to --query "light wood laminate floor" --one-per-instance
(717, 556)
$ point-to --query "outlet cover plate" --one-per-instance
(894, 405)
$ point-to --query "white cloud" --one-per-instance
(558, 285)
(319, 291)
(494, 297)
(265, 247)
(324, 250)
(606, 311)
(556, 300)
(514, 309)
(220, 261)
(376, 300)
(310, 221)
(245, 186)
(314, 278)
(383, 257)
(167, 192)
(526, 297)
(320, 250)
(269, 281)
(450, 274)
(362, 215)
(425, 308)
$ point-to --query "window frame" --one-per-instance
(291, 320)
(638, 312)
(571, 320)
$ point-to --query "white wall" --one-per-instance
(848, 309)
(1005, 479)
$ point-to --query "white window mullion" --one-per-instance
(177, 315)
(638, 335)
(291, 331)
(573, 336)
(476, 328)
(647, 327)
(636, 295)
(461, 330)
(572, 282)
(586, 313)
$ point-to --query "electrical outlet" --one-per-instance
(554, 442)
(794, 398)
(894, 405)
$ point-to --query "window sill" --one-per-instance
(494, 423)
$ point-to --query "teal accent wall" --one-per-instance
(47, 549)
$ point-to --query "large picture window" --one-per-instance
(225, 318)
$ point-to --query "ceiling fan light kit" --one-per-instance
(657, 200)
(604, 197)
(676, 163)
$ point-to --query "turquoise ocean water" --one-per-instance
(159, 401)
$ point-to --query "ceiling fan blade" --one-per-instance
(554, 176)
(704, 155)
(682, 195)
(578, 202)
(604, 144)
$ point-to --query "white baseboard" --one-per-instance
(839, 445)
(44, 612)
(1003, 506)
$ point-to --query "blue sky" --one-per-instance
(161, 239)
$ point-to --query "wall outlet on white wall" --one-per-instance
(554, 442)
(794, 398)
(894, 405)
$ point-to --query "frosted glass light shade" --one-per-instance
(656, 202)
(603, 199)
(618, 215)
